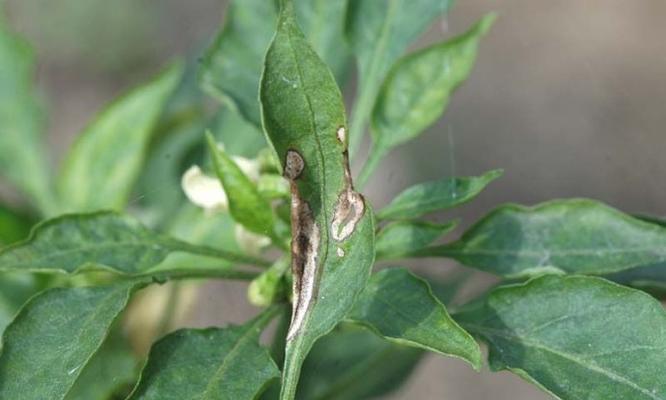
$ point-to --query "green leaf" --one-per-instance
(209, 364)
(401, 307)
(53, 338)
(332, 226)
(98, 241)
(379, 32)
(112, 369)
(239, 137)
(322, 22)
(437, 195)
(576, 337)
(417, 90)
(650, 278)
(565, 236)
(15, 290)
(354, 363)
(22, 158)
(246, 205)
(401, 238)
(231, 67)
(14, 226)
(104, 163)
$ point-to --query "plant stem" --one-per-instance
(371, 164)
(223, 254)
(201, 273)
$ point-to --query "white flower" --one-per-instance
(203, 190)
(250, 242)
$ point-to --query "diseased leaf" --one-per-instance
(379, 32)
(439, 195)
(100, 170)
(332, 226)
(22, 156)
(49, 344)
(98, 241)
(401, 307)
(576, 337)
(209, 364)
(111, 370)
(246, 204)
(14, 226)
(566, 236)
(354, 363)
(417, 89)
(401, 238)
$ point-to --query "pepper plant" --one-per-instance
(268, 197)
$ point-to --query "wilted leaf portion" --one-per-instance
(574, 236)
(53, 338)
(100, 170)
(98, 241)
(332, 227)
(209, 364)
(402, 308)
(439, 195)
(576, 337)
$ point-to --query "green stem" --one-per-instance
(223, 254)
(371, 164)
(291, 371)
(200, 273)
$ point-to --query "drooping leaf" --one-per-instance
(111, 370)
(209, 364)
(379, 32)
(332, 226)
(417, 89)
(49, 344)
(437, 195)
(14, 226)
(566, 236)
(354, 363)
(98, 241)
(323, 22)
(576, 337)
(401, 238)
(401, 307)
(22, 156)
(106, 160)
(246, 204)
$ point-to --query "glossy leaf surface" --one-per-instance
(401, 307)
(106, 160)
(566, 236)
(51, 341)
(576, 337)
(439, 195)
(332, 227)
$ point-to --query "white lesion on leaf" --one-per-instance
(349, 208)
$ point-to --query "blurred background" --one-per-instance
(567, 97)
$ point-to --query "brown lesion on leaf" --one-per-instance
(304, 245)
(350, 207)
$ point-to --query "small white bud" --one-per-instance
(203, 190)
(250, 242)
